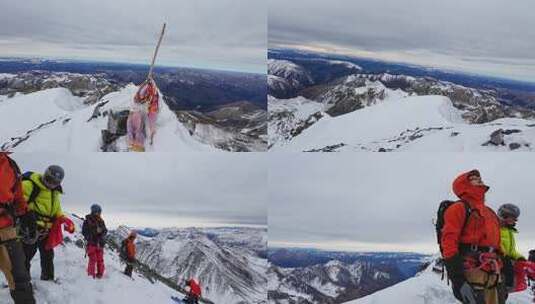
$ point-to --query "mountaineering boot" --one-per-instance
(23, 295)
(16, 274)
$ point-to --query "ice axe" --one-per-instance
(149, 76)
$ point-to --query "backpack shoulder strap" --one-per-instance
(468, 212)
(16, 171)
(35, 188)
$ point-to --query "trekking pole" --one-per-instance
(149, 76)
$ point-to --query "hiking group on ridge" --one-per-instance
(32, 220)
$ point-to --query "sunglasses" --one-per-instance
(51, 181)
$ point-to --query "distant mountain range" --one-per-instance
(310, 276)
(309, 61)
(186, 88)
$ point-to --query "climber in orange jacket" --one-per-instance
(128, 252)
(12, 206)
(471, 242)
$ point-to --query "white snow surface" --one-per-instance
(413, 123)
(76, 287)
(69, 129)
(426, 288)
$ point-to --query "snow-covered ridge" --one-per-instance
(416, 123)
(288, 117)
(56, 120)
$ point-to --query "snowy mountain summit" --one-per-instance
(71, 112)
(314, 107)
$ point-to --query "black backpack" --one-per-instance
(439, 224)
(532, 255)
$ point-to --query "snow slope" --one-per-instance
(55, 120)
(224, 260)
(426, 288)
(77, 288)
(413, 123)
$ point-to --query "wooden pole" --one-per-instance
(156, 52)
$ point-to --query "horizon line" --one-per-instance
(111, 61)
(416, 65)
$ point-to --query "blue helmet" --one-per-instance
(95, 209)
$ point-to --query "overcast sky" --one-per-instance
(217, 34)
(492, 37)
(376, 201)
(162, 190)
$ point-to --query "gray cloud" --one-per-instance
(450, 34)
(162, 189)
(384, 201)
(226, 34)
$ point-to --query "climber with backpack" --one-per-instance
(468, 233)
(128, 252)
(193, 292)
(508, 215)
(43, 194)
(94, 231)
(13, 209)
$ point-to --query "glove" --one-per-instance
(467, 293)
(28, 222)
(455, 268)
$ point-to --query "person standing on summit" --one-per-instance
(43, 194)
(12, 206)
(470, 243)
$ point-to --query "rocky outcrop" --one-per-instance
(347, 94)
(478, 105)
(236, 127)
(117, 122)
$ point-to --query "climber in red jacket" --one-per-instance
(193, 292)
